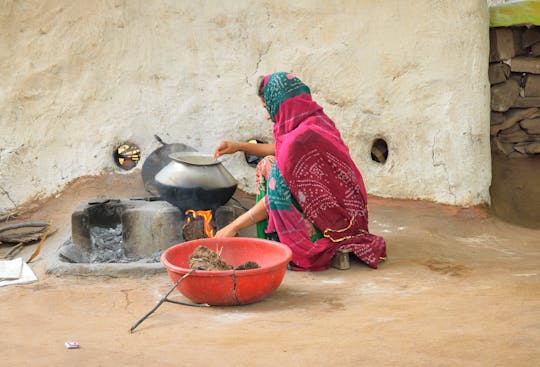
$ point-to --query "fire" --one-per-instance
(206, 215)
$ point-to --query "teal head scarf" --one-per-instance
(280, 87)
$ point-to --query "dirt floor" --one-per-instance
(460, 288)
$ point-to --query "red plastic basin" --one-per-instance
(229, 287)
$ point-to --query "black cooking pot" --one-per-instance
(194, 180)
(158, 159)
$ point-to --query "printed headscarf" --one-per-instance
(280, 87)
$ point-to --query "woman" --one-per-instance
(315, 200)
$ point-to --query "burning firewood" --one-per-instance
(198, 225)
(193, 230)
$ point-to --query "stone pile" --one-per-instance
(514, 75)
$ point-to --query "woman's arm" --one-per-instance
(230, 147)
(252, 216)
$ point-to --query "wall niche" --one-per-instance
(514, 75)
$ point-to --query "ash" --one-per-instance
(107, 245)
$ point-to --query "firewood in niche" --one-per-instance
(498, 72)
(505, 148)
(505, 43)
(535, 49)
(532, 86)
(530, 36)
(525, 64)
(531, 126)
(503, 95)
(513, 116)
(496, 118)
(514, 135)
(526, 102)
(528, 148)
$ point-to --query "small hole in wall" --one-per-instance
(127, 155)
(253, 160)
(379, 151)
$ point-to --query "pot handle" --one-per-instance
(159, 139)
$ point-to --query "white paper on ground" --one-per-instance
(11, 269)
(27, 276)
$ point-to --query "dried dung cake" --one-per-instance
(203, 258)
(193, 230)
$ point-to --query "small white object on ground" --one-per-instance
(72, 345)
(26, 275)
(11, 269)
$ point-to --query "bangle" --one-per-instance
(251, 217)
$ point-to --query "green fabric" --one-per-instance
(263, 224)
(282, 200)
(515, 13)
(282, 86)
(279, 196)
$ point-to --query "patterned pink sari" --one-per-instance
(314, 167)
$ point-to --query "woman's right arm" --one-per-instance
(230, 147)
(252, 216)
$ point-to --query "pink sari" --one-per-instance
(313, 166)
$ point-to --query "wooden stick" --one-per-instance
(22, 225)
(38, 249)
(5, 218)
(165, 299)
(27, 238)
(21, 235)
(14, 251)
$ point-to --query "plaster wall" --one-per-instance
(80, 77)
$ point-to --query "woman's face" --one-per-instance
(267, 115)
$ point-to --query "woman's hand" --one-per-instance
(226, 147)
(227, 231)
(249, 218)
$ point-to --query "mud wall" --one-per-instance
(81, 77)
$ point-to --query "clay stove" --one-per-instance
(128, 231)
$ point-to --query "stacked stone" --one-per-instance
(514, 75)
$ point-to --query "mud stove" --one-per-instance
(125, 235)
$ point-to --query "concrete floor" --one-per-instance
(460, 288)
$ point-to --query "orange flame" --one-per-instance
(206, 216)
